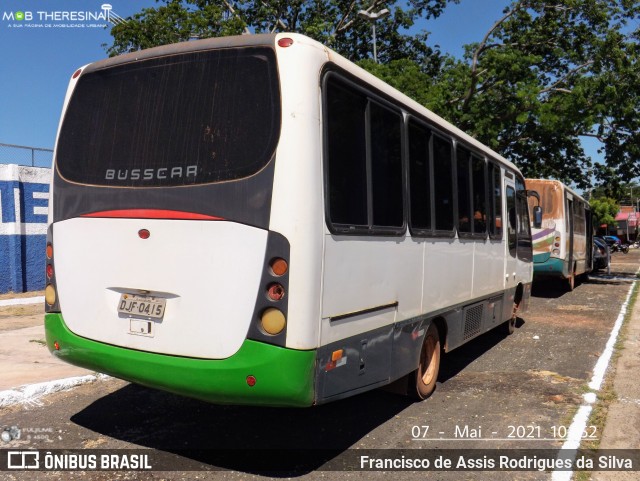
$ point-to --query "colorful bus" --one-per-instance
(563, 240)
(257, 220)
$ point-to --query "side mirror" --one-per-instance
(537, 217)
(537, 210)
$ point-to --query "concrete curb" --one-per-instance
(30, 393)
(23, 300)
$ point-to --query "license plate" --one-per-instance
(142, 306)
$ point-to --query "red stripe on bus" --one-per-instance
(151, 214)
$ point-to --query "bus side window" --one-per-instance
(479, 197)
(443, 184)
(495, 201)
(513, 221)
(463, 158)
(386, 166)
(346, 145)
(419, 177)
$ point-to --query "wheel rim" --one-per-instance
(428, 360)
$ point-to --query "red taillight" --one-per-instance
(275, 292)
(49, 271)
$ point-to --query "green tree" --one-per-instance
(333, 22)
(604, 210)
(547, 74)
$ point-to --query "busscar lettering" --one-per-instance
(160, 173)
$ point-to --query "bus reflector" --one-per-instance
(144, 234)
(251, 380)
(273, 321)
(285, 42)
(50, 295)
(279, 266)
(56, 346)
(77, 73)
(337, 359)
(49, 250)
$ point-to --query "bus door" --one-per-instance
(511, 232)
(569, 219)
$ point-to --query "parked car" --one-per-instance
(600, 258)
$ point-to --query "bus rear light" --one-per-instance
(77, 73)
(285, 42)
(556, 252)
(279, 266)
(272, 321)
(275, 292)
(49, 271)
(251, 381)
(49, 250)
(50, 295)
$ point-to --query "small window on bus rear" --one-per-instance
(193, 118)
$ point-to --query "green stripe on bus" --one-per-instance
(284, 377)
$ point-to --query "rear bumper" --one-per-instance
(284, 377)
(552, 267)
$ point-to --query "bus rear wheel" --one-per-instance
(429, 363)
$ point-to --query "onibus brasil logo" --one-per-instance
(42, 18)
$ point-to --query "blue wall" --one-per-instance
(24, 198)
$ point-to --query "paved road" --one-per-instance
(510, 392)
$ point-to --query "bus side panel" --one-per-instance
(369, 283)
(444, 260)
(364, 364)
(488, 267)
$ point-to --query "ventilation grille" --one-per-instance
(473, 321)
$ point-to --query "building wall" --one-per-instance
(24, 199)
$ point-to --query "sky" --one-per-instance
(40, 53)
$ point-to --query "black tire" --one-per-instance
(510, 326)
(429, 364)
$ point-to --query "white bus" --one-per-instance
(257, 220)
(563, 240)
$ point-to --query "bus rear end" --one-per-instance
(160, 264)
(549, 249)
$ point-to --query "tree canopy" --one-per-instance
(546, 74)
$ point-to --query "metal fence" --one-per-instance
(21, 155)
